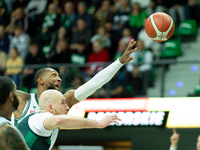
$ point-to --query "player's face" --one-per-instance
(61, 107)
(52, 79)
(140, 45)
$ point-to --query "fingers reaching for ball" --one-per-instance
(125, 57)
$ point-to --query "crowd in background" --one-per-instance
(80, 32)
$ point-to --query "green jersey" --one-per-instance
(34, 132)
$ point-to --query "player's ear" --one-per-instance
(40, 81)
(11, 96)
(50, 108)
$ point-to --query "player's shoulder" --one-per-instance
(23, 96)
(69, 93)
(8, 130)
(11, 138)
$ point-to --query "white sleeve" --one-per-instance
(97, 81)
(36, 124)
(173, 148)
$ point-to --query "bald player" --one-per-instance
(48, 78)
(40, 130)
(10, 137)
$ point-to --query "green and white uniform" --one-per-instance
(3, 121)
(31, 106)
(36, 136)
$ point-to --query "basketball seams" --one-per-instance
(170, 27)
(154, 25)
(162, 26)
(159, 27)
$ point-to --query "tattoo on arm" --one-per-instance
(11, 138)
(22, 96)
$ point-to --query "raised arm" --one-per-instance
(73, 122)
(23, 99)
(11, 138)
(100, 78)
(174, 139)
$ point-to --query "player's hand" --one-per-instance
(125, 57)
(174, 138)
(108, 120)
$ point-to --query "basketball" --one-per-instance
(159, 27)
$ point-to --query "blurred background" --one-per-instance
(79, 38)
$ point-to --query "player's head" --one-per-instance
(7, 93)
(140, 45)
(53, 101)
(47, 78)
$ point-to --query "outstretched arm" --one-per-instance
(23, 99)
(11, 138)
(73, 122)
(100, 78)
(174, 139)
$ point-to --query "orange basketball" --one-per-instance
(159, 26)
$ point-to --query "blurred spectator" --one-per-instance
(143, 4)
(20, 3)
(121, 17)
(177, 12)
(76, 81)
(3, 13)
(51, 22)
(62, 33)
(81, 37)
(101, 37)
(62, 52)
(121, 47)
(33, 57)
(192, 10)
(136, 20)
(156, 6)
(35, 11)
(75, 3)
(14, 65)
(9, 5)
(19, 19)
(99, 54)
(95, 5)
(116, 87)
(57, 4)
(4, 39)
(139, 69)
(103, 14)
(123, 42)
(61, 55)
(156, 47)
(20, 41)
(114, 36)
(126, 35)
(3, 58)
(68, 17)
(82, 13)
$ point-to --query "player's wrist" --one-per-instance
(120, 61)
(174, 145)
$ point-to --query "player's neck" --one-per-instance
(5, 112)
(40, 90)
